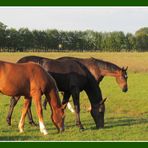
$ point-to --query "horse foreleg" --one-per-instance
(30, 118)
(65, 100)
(24, 112)
(13, 102)
(70, 107)
(37, 101)
(66, 96)
(75, 96)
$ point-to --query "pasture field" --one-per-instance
(126, 117)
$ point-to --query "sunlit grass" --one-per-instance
(126, 117)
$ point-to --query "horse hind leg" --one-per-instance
(45, 103)
(13, 102)
(29, 114)
(37, 101)
(24, 112)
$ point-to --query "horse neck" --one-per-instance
(93, 92)
(54, 99)
(92, 68)
(106, 72)
(106, 68)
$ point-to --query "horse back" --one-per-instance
(39, 78)
(89, 63)
(21, 79)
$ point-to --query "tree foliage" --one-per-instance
(45, 40)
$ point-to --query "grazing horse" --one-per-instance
(71, 78)
(31, 81)
(100, 68)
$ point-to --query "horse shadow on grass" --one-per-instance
(116, 122)
(125, 121)
(25, 136)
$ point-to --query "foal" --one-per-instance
(32, 81)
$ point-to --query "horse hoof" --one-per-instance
(21, 131)
(8, 122)
(81, 129)
(44, 132)
(33, 124)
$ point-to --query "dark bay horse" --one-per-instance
(71, 78)
(100, 68)
(31, 81)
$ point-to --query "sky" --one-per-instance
(101, 19)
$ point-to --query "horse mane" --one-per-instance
(84, 68)
(105, 64)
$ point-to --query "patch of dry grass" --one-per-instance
(137, 62)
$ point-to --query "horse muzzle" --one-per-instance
(125, 89)
(60, 130)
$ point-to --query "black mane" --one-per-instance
(106, 65)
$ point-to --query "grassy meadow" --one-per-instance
(126, 117)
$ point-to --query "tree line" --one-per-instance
(12, 40)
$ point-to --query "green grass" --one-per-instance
(126, 116)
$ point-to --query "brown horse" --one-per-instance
(100, 68)
(31, 81)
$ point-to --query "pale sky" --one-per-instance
(126, 19)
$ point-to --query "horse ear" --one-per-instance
(122, 68)
(102, 102)
(63, 106)
(126, 68)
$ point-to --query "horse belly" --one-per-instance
(13, 89)
(9, 92)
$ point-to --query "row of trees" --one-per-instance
(39, 40)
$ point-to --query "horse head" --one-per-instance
(58, 117)
(121, 79)
(97, 112)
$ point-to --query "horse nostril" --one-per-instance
(125, 89)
